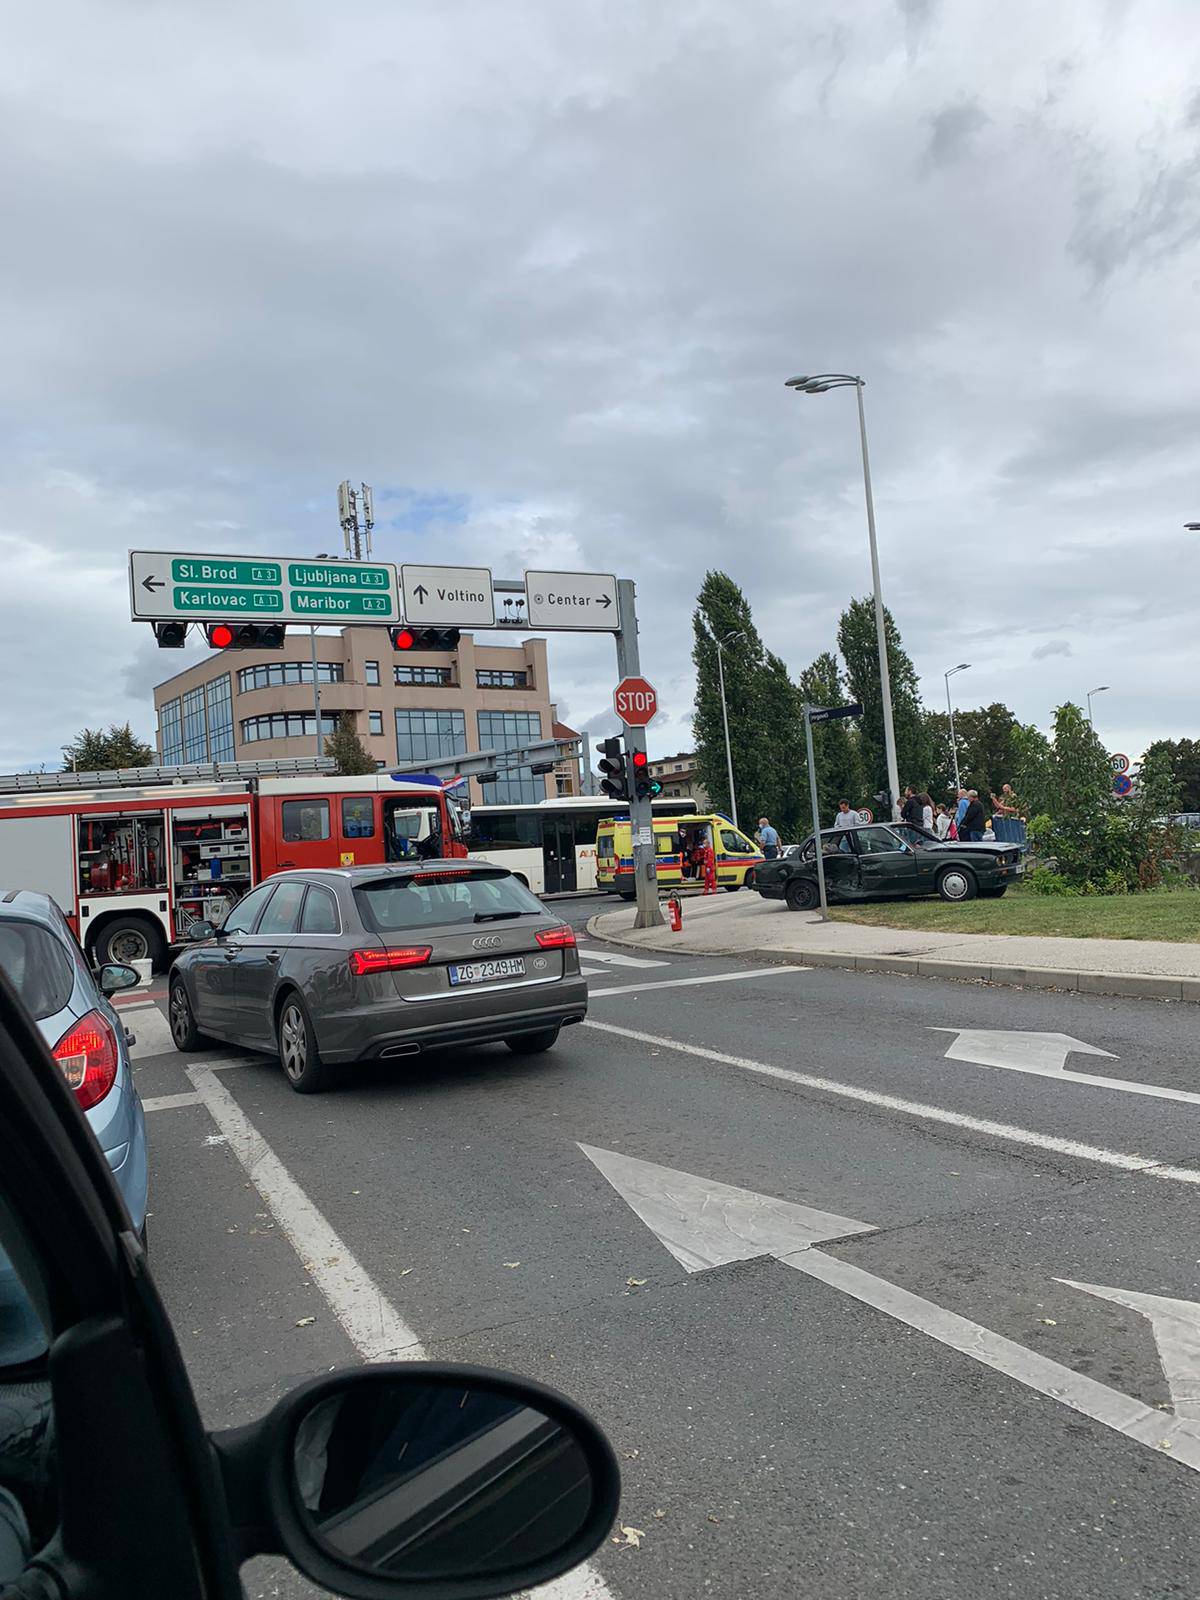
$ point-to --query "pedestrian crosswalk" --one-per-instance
(150, 1029)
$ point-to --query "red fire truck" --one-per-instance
(135, 857)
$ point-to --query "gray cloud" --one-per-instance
(539, 278)
(1052, 647)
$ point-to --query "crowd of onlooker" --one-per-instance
(965, 817)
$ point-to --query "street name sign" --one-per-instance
(582, 601)
(449, 597)
(829, 713)
(165, 585)
(635, 701)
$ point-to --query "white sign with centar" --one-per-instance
(582, 601)
(450, 597)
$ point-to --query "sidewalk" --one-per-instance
(743, 924)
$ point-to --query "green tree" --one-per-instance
(784, 778)
(1090, 841)
(346, 748)
(835, 745)
(988, 750)
(914, 751)
(723, 612)
(94, 750)
(1033, 769)
(1183, 759)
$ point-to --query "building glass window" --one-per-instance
(195, 731)
(220, 720)
(286, 725)
(274, 674)
(170, 733)
(502, 680)
(375, 721)
(424, 675)
(509, 730)
(429, 736)
(371, 668)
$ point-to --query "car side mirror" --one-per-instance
(115, 976)
(201, 930)
(423, 1480)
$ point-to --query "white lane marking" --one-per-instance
(705, 1224)
(167, 1102)
(152, 1033)
(613, 958)
(679, 983)
(1045, 1055)
(372, 1324)
(914, 1108)
(1176, 1325)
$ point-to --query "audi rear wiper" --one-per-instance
(501, 916)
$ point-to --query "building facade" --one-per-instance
(408, 708)
(677, 774)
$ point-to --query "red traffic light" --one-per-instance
(639, 759)
(403, 639)
(221, 636)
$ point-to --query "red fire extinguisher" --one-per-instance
(675, 914)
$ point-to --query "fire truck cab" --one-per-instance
(135, 858)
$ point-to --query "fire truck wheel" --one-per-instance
(127, 939)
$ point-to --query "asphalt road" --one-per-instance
(780, 1435)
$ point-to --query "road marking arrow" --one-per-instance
(706, 1224)
(1045, 1055)
(1176, 1325)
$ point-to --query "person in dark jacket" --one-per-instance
(974, 819)
(910, 811)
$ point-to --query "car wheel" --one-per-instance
(184, 1031)
(532, 1044)
(957, 883)
(749, 880)
(802, 895)
(993, 893)
(627, 894)
(298, 1053)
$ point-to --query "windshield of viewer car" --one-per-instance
(401, 904)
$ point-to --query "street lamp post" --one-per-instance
(720, 644)
(1101, 689)
(961, 667)
(818, 385)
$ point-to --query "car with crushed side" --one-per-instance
(883, 861)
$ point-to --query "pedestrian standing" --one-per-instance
(708, 859)
(846, 817)
(767, 838)
(926, 811)
(943, 822)
(960, 810)
(973, 819)
(910, 811)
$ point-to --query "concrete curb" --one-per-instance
(1138, 985)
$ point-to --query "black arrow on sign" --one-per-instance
(421, 592)
(604, 600)
(153, 583)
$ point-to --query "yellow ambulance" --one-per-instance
(675, 841)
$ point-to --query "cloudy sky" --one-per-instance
(537, 271)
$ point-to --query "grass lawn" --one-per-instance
(1162, 914)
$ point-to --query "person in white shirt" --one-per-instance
(926, 812)
(941, 823)
(846, 817)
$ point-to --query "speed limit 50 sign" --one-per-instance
(635, 701)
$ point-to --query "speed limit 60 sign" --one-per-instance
(635, 701)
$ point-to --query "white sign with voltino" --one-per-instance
(169, 585)
(449, 597)
(584, 602)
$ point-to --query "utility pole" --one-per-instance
(816, 813)
(645, 876)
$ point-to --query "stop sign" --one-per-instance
(635, 701)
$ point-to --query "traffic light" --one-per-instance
(170, 635)
(405, 638)
(644, 786)
(615, 782)
(245, 635)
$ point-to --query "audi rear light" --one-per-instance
(88, 1058)
(556, 938)
(364, 962)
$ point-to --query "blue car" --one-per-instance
(69, 1002)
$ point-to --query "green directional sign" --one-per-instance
(165, 585)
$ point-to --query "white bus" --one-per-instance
(551, 846)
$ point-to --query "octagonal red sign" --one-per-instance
(635, 701)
